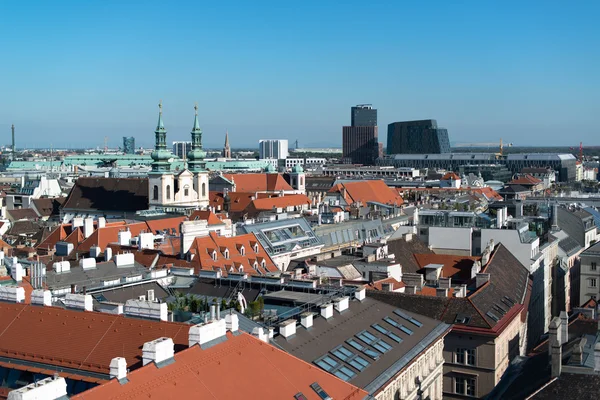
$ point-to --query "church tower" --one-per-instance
(226, 149)
(161, 179)
(195, 161)
(298, 179)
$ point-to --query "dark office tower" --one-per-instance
(363, 115)
(360, 144)
(417, 137)
(128, 145)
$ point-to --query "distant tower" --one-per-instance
(13, 141)
(297, 178)
(195, 160)
(161, 179)
(226, 150)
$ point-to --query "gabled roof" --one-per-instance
(24, 227)
(203, 248)
(47, 207)
(85, 341)
(290, 200)
(511, 189)
(525, 180)
(368, 191)
(108, 194)
(450, 176)
(456, 267)
(208, 216)
(258, 182)
(22, 214)
(404, 251)
(223, 371)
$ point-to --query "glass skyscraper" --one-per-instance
(417, 137)
(363, 115)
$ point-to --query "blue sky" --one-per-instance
(73, 72)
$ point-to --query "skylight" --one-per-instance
(366, 350)
(398, 325)
(407, 317)
(376, 343)
(350, 358)
(389, 334)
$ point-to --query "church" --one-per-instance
(177, 191)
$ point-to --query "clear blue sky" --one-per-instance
(72, 72)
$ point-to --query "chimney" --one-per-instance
(87, 263)
(259, 333)
(475, 268)
(441, 292)
(124, 238)
(146, 240)
(101, 222)
(158, 350)
(150, 295)
(51, 388)
(556, 357)
(107, 254)
(360, 293)
(287, 328)
(207, 331)
(77, 222)
(445, 283)
(554, 330)
(41, 297)
(327, 310)
(13, 294)
(341, 304)
(577, 356)
(306, 319)
(387, 287)
(413, 279)
(118, 368)
(125, 259)
(564, 327)
(213, 312)
(79, 301)
(410, 289)
(88, 227)
(232, 322)
(481, 279)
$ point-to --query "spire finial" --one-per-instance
(196, 108)
(160, 106)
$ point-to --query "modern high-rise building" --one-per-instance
(363, 115)
(128, 145)
(180, 149)
(417, 137)
(273, 148)
(360, 144)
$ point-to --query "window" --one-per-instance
(389, 334)
(465, 386)
(242, 251)
(370, 352)
(203, 189)
(592, 282)
(168, 192)
(186, 192)
(155, 195)
(465, 356)
(593, 266)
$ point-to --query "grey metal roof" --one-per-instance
(283, 236)
(345, 232)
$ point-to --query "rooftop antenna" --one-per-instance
(581, 152)
(13, 141)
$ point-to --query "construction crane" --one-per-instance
(502, 148)
(105, 144)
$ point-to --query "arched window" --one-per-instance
(301, 180)
(168, 192)
(242, 251)
(155, 196)
(186, 191)
(203, 189)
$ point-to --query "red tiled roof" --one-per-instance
(208, 216)
(371, 190)
(224, 371)
(378, 285)
(525, 180)
(4, 245)
(289, 200)
(76, 339)
(203, 248)
(59, 233)
(449, 176)
(258, 182)
(457, 267)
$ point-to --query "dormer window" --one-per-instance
(226, 253)
(241, 269)
(256, 248)
(263, 264)
(242, 251)
(214, 255)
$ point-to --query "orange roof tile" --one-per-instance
(212, 371)
(526, 180)
(258, 182)
(368, 191)
(203, 248)
(289, 200)
(378, 285)
(58, 234)
(208, 216)
(457, 267)
(449, 176)
(76, 339)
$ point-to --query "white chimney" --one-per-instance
(206, 332)
(95, 251)
(118, 368)
(41, 297)
(287, 328)
(77, 222)
(124, 259)
(101, 222)
(327, 310)
(50, 388)
(158, 350)
(61, 266)
(259, 333)
(79, 301)
(306, 319)
(88, 227)
(232, 322)
(124, 238)
(87, 263)
(146, 240)
(107, 254)
(360, 293)
(150, 295)
(12, 293)
(17, 272)
(341, 304)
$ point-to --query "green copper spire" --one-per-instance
(196, 154)
(160, 155)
